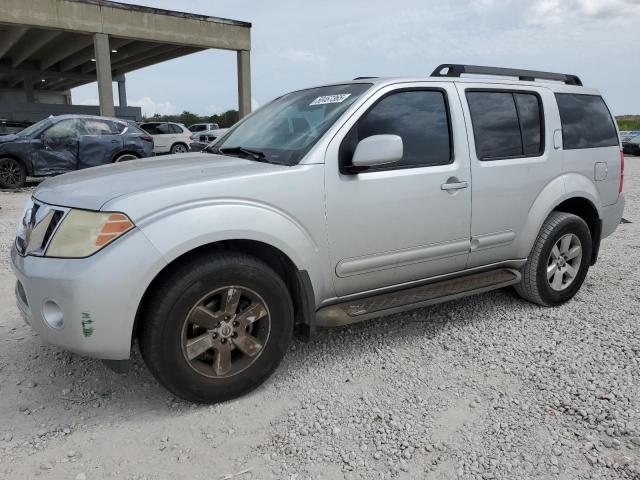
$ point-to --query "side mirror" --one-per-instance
(377, 150)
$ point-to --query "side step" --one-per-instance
(387, 303)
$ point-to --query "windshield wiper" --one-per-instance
(255, 154)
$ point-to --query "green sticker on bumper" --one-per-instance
(87, 324)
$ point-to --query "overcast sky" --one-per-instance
(297, 44)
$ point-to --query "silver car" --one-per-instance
(325, 207)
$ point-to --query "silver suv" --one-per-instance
(325, 207)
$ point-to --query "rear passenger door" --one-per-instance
(510, 134)
(100, 144)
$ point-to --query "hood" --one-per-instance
(93, 187)
(7, 138)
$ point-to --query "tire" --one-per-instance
(536, 285)
(179, 148)
(13, 173)
(168, 327)
(125, 157)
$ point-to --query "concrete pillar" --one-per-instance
(122, 90)
(28, 88)
(244, 83)
(103, 70)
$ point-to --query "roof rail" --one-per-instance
(363, 78)
(456, 70)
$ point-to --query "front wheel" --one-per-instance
(558, 262)
(13, 173)
(217, 327)
(125, 157)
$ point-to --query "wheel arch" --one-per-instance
(180, 142)
(125, 152)
(297, 281)
(27, 165)
(570, 193)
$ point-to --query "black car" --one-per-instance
(61, 144)
(9, 127)
(631, 145)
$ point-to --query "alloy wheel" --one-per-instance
(225, 331)
(564, 262)
(10, 172)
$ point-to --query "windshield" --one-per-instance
(284, 130)
(36, 127)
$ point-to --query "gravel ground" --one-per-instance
(488, 387)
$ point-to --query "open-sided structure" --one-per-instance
(48, 47)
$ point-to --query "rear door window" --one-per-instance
(173, 128)
(586, 122)
(506, 124)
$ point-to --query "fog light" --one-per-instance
(52, 314)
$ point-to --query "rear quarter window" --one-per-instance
(586, 122)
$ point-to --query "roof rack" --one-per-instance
(456, 70)
(363, 78)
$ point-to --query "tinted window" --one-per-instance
(151, 128)
(173, 128)
(419, 117)
(586, 122)
(198, 128)
(505, 124)
(529, 113)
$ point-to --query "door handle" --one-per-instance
(454, 185)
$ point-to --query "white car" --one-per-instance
(201, 127)
(168, 137)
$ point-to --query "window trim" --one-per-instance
(611, 117)
(543, 139)
(348, 169)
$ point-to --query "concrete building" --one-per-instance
(48, 47)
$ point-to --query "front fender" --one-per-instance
(561, 188)
(183, 228)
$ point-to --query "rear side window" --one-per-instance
(586, 122)
(173, 128)
(506, 124)
(419, 117)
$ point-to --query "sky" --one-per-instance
(297, 44)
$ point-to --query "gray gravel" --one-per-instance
(488, 387)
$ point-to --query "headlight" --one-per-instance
(83, 233)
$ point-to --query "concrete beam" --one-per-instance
(105, 81)
(124, 52)
(9, 38)
(180, 52)
(129, 21)
(26, 49)
(244, 83)
(85, 55)
(161, 51)
(73, 46)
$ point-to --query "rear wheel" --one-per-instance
(179, 148)
(559, 261)
(125, 157)
(216, 328)
(13, 173)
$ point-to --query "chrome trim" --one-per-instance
(33, 227)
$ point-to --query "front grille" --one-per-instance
(38, 227)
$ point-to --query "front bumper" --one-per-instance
(97, 297)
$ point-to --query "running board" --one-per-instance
(387, 303)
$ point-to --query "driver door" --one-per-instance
(57, 151)
(409, 220)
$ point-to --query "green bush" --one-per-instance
(628, 122)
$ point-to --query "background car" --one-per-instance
(201, 127)
(168, 137)
(9, 127)
(61, 144)
(202, 139)
(631, 145)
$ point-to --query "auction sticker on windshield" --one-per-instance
(330, 99)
